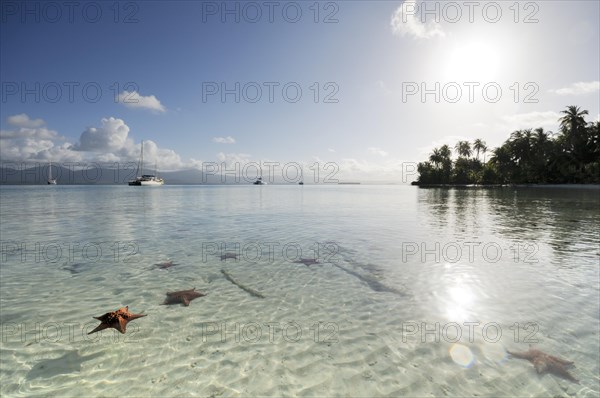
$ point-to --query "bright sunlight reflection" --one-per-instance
(460, 300)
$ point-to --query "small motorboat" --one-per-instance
(259, 181)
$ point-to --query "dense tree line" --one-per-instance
(527, 157)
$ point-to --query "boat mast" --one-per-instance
(142, 172)
(50, 171)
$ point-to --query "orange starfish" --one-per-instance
(117, 320)
(545, 363)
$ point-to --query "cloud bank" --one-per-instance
(108, 142)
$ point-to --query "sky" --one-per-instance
(370, 86)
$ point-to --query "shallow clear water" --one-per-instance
(418, 292)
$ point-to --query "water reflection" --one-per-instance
(565, 219)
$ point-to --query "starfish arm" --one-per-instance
(121, 325)
(521, 355)
(561, 361)
(559, 370)
(100, 327)
(131, 317)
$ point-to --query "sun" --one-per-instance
(475, 61)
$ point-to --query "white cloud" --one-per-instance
(41, 144)
(232, 158)
(547, 119)
(30, 141)
(165, 159)
(224, 140)
(405, 22)
(22, 120)
(331, 150)
(579, 88)
(132, 99)
(196, 164)
(110, 136)
(377, 151)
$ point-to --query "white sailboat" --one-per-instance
(51, 181)
(146, 179)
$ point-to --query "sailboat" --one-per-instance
(146, 179)
(51, 181)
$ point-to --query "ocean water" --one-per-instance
(417, 292)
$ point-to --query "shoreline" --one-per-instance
(553, 186)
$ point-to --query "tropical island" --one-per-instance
(530, 156)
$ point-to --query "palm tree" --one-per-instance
(520, 144)
(436, 157)
(502, 162)
(541, 140)
(573, 119)
(540, 146)
(446, 154)
(574, 141)
(463, 148)
(479, 146)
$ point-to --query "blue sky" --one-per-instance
(368, 58)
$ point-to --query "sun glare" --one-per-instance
(474, 61)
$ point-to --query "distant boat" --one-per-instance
(259, 181)
(301, 183)
(51, 181)
(146, 179)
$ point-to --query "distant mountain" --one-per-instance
(95, 175)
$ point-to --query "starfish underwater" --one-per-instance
(182, 296)
(117, 320)
(307, 261)
(546, 363)
(229, 255)
(165, 265)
